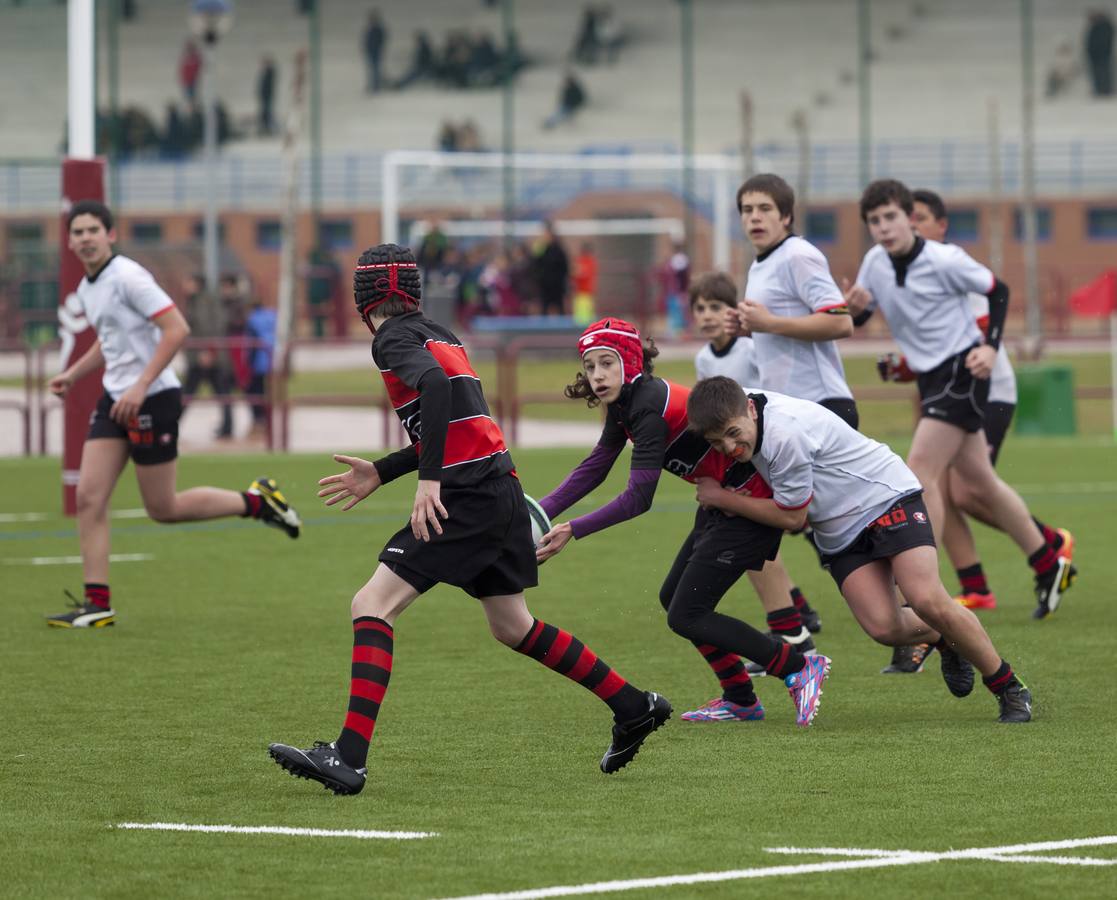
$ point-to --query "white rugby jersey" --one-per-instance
(929, 314)
(736, 361)
(794, 280)
(812, 459)
(120, 302)
(1002, 383)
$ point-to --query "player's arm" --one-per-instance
(90, 361)
(998, 314)
(585, 477)
(173, 333)
(434, 403)
(764, 510)
(827, 325)
(649, 436)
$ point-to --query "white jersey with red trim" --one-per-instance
(793, 279)
(924, 297)
(811, 458)
(120, 302)
(1002, 383)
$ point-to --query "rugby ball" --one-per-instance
(540, 524)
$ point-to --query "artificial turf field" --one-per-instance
(234, 636)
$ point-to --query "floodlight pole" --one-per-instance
(508, 123)
(207, 46)
(1028, 177)
(315, 23)
(864, 92)
(686, 11)
(81, 78)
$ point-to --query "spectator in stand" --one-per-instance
(484, 61)
(586, 44)
(469, 137)
(376, 36)
(323, 284)
(677, 281)
(496, 280)
(609, 34)
(572, 97)
(176, 139)
(261, 327)
(207, 364)
(1064, 70)
(552, 271)
(432, 250)
(521, 272)
(422, 62)
(585, 284)
(265, 97)
(189, 68)
(1099, 52)
(235, 308)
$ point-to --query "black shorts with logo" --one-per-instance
(998, 416)
(152, 435)
(904, 526)
(485, 547)
(951, 394)
(721, 541)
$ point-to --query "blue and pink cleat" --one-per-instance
(722, 710)
(805, 687)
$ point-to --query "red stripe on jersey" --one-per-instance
(675, 413)
(369, 690)
(835, 308)
(983, 324)
(451, 357)
(398, 392)
(758, 487)
(471, 439)
(373, 656)
(800, 506)
(158, 313)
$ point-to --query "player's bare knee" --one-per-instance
(164, 514)
(509, 633)
(90, 501)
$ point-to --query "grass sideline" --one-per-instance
(236, 636)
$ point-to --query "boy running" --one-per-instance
(713, 304)
(870, 524)
(651, 412)
(469, 527)
(922, 288)
(139, 330)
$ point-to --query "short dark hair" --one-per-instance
(90, 208)
(931, 200)
(713, 402)
(717, 286)
(775, 187)
(372, 281)
(883, 192)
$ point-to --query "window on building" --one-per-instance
(24, 235)
(200, 231)
(965, 225)
(147, 232)
(1043, 223)
(1101, 222)
(821, 226)
(335, 234)
(268, 234)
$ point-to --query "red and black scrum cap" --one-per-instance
(619, 336)
(383, 272)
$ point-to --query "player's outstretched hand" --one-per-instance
(428, 507)
(353, 485)
(553, 541)
(980, 361)
(856, 297)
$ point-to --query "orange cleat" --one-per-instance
(1067, 550)
(977, 601)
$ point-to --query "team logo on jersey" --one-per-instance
(678, 467)
(921, 518)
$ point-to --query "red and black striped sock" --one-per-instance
(786, 622)
(1000, 679)
(253, 505)
(373, 640)
(785, 661)
(1050, 535)
(561, 651)
(799, 601)
(1043, 560)
(972, 579)
(97, 595)
(736, 685)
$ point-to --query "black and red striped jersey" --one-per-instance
(651, 413)
(406, 348)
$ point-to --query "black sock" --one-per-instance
(1000, 679)
(97, 595)
(972, 579)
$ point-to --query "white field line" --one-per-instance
(74, 560)
(15, 518)
(877, 859)
(277, 829)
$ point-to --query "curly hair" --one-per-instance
(386, 279)
(581, 389)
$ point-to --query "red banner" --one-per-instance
(82, 179)
(1097, 299)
